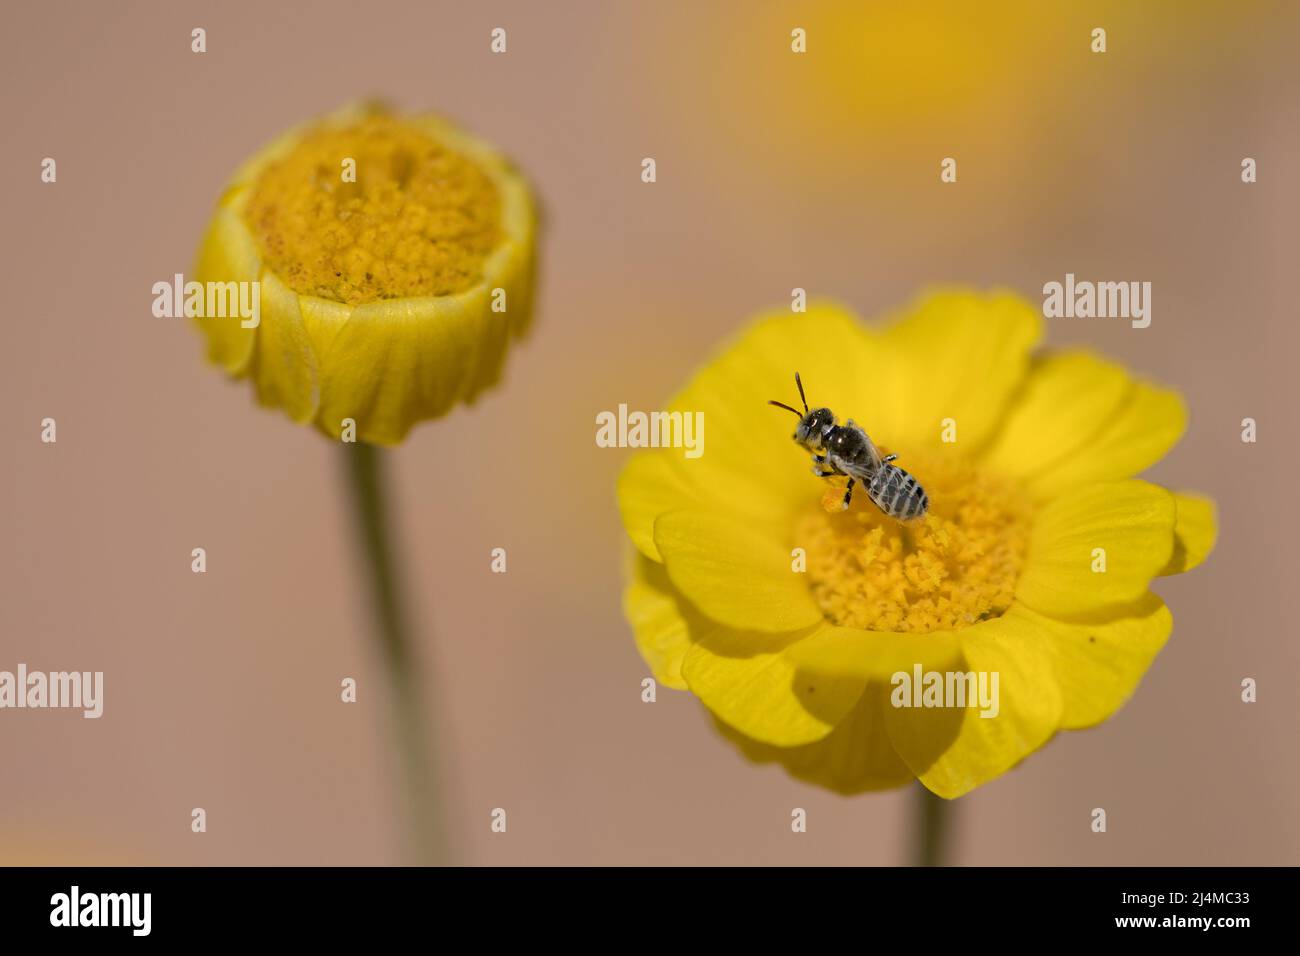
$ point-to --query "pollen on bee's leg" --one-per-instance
(833, 498)
(957, 566)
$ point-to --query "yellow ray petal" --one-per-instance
(649, 486)
(877, 655)
(1099, 663)
(1066, 399)
(662, 634)
(285, 368)
(1196, 530)
(399, 361)
(511, 270)
(1150, 421)
(1128, 525)
(853, 758)
(323, 318)
(756, 688)
(964, 355)
(955, 750)
(228, 254)
(1081, 418)
(736, 574)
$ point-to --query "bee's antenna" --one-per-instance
(786, 407)
(801, 395)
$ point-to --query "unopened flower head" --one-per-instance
(395, 261)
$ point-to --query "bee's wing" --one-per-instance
(863, 473)
(873, 450)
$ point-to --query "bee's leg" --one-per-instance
(888, 458)
(821, 468)
(848, 494)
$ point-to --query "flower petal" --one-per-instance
(1081, 418)
(228, 254)
(661, 631)
(876, 655)
(954, 750)
(755, 687)
(964, 355)
(649, 486)
(1150, 421)
(323, 318)
(1131, 522)
(1098, 664)
(398, 361)
(1194, 533)
(854, 757)
(1065, 401)
(285, 369)
(737, 574)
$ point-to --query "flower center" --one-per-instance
(415, 219)
(957, 566)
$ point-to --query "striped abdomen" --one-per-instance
(897, 493)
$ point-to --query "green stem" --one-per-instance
(932, 819)
(366, 483)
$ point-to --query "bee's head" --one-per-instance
(812, 422)
(812, 428)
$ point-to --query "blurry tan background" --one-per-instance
(775, 171)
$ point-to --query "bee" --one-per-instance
(847, 450)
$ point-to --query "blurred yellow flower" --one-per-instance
(789, 618)
(395, 257)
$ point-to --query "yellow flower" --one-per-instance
(395, 262)
(795, 656)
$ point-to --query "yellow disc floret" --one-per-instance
(417, 219)
(957, 566)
